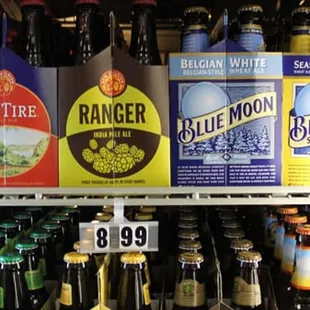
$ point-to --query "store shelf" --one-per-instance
(157, 196)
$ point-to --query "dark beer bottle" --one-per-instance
(190, 290)
(251, 36)
(188, 234)
(300, 35)
(10, 229)
(246, 292)
(76, 292)
(300, 279)
(64, 222)
(14, 294)
(23, 220)
(189, 216)
(35, 212)
(32, 32)
(86, 21)
(133, 293)
(47, 253)
(34, 279)
(74, 214)
(195, 36)
(2, 239)
(185, 224)
(143, 46)
(190, 246)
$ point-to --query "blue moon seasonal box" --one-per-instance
(225, 113)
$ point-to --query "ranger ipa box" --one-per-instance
(296, 120)
(226, 119)
(28, 123)
(114, 123)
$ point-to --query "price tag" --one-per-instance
(102, 237)
(133, 236)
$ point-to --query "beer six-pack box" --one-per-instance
(28, 123)
(114, 123)
(225, 111)
(296, 120)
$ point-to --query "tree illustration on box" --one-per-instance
(264, 142)
(240, 145)
(231, 140)
(250, 142)
(220, 143)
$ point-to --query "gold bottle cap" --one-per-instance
(232, 224)
(224, 216)
(196, 9)
(191, 258)
(232, 233)
(303, 229)
(241, 244)
(108, 209)
(187, 224)
(143, 216)
(103, 217)
(186, 209)
(295, 219)
(287, 210)
(76, 246)
(190, 245)
(76, 258)
(188, 234)
(250, 8)
(148, 209)
(249, 257)
(133, 258)
(188, 217)
(303, 9)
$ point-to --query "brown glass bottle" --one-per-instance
(143, 46)
(66, 237)
(23, 220)
(270, 220)
(76, 292)
(14, 294)
(35, 212)
(133, 293)
(86, 21)
(190, 291)
(246, 292)
(189, 246)
(32, 32)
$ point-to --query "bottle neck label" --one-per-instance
(270, 231)
(278, 247)
(251, 38)
(34, 280)
(195, 39)
(190, 293)
(66, 294)
(244, 294)
(301, 274)
(289, 246)
(300, 40)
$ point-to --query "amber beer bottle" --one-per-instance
(86, 21)
(270, 220)
(133, 293)
(247, 293)
(143, 44)
(76, 292)
(34, 278)
(32, 31)
(190, 290)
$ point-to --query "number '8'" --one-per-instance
(102, 241)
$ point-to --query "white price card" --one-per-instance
(102, 237)
(133, 236)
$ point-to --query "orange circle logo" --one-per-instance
(7, 82)
(112, 83)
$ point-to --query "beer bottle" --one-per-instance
(64, 222)
(233, 32)
(76, 292)
(108, 209)
(47, 253)
(143, 46)
(14, 294)
(2, 239)
(23, 220)
(270, 233)
(35, 213)
(86, 21)
(300, 35)
(34, 279)
(133, 293)
(195, 37)
(49, 41)
(189, 246)
(10, 229)
(32, 31)
(74, 214)
(233, 224)
(103, 217)
(188, 234)
(251, 35)
(283, 286)
(184, 224)
(246, 293)
(190, 290)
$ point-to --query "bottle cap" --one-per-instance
(103, 217)
(249, 257)
(143, 216)
(70, 210)
(232, 233)
(78, 2)
(108, 209)
(224, 216)
(62, 213)
(196, 9)
(187, 224)
(191, 258)
(232, 224)
(76, 246)
(250, 8)
(51, 225)
(60, 218)
(188, 234)
(147, 2)
(11, 258)
(26, 245)
(287, 210)
(40, 234)
(22, 216)
(188, 217)
(303, 229)
(75, 258)
(303, 9)
(186, 209)
(241, 244)
(8, 224)
(148, 209)
(133, 258)
(33, 209)
(295, 219)
(226, 209)
(190, 245)
(32, 2)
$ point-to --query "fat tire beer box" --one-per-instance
(296, 120)
(114, 123)
(28, 123)
(225, 110)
